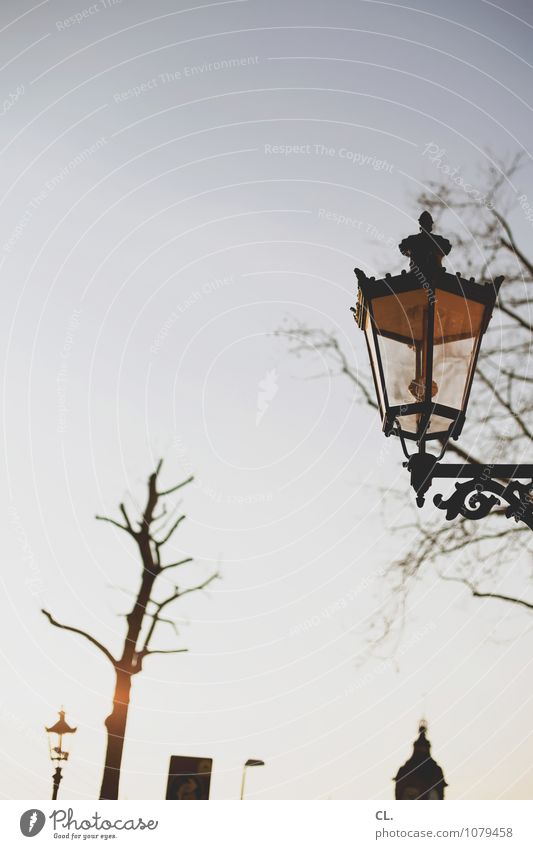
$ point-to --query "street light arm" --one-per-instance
(471, 499)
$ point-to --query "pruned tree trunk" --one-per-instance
(150, 536)
(116, 732)
(129, 664)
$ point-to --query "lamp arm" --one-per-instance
(484, 487)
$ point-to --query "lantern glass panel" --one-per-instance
(439, 424)
(451, 368)
(458, 326)
(401, 324)
(409, 424)
(402, 316)
(399, 367)
(374, 362)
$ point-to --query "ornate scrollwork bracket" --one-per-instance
(469, 500)
(484, 487)
(474, 499)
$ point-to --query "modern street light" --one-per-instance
(58, 748)
(249, 762)
(423, 330)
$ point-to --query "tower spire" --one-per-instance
(420, 777)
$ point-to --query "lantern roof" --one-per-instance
(61, 726)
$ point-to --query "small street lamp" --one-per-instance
(423, 330)
(58, 748)
(249, 762)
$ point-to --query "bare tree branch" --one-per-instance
(501, 400)
(178, 486)
(127, 520)
(166, 538)
(165, 621)
(162, 651)
(197, 588)
(87, 636)
(519, 320)
(151, 501)
(160, 605)
(510, 243)
(112, 522)
(161, 515)
(177, 563)
(478, 594)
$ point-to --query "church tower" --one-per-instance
(420, 777)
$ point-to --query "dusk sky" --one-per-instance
(179, 181)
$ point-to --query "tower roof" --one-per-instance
(421, 771)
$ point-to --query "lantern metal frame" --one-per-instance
(484, 486)
(371, 289)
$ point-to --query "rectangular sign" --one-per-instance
(189, 778)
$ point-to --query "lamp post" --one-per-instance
(58, 748)
(249, 762)
(423, 330)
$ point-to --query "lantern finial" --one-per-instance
(426, 222)
(425, 250)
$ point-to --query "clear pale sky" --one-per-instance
(154, 232)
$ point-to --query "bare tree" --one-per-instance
(499, 424)
(147, 612)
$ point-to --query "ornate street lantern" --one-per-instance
(58, 744)
(423, 331)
